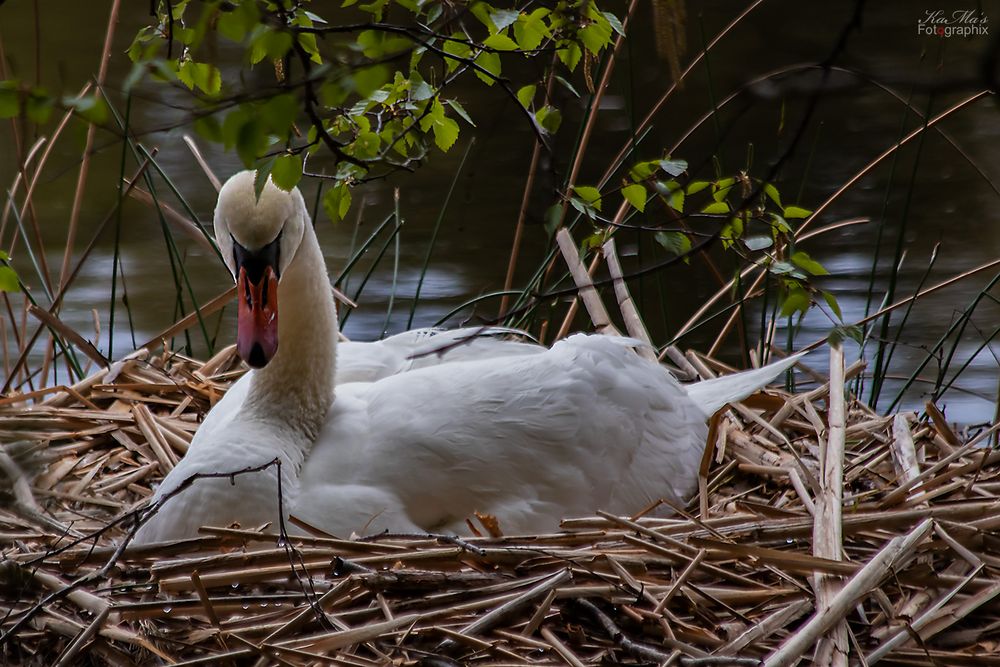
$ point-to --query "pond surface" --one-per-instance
(933, 193)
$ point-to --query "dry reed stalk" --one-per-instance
(633, 322)
(585, 284)
(81, 181)
(827, 536)
(26, 341)
(200, 159)
(888, 558)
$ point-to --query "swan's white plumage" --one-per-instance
(529, 437)
(368, 362)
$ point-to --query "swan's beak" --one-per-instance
(257, 296)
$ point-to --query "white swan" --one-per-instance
(528, 438)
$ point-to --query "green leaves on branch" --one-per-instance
(445, 129)
(586, 200)
(371, 92)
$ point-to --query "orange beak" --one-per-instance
(257, 317)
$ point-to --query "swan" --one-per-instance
(528, 438)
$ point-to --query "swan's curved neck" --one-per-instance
(295, 389)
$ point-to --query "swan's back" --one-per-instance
(585, 425)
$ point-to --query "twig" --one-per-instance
(591, 300)
(885, 561)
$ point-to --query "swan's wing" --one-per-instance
(419, 348)
(586, 425)
(710, 395)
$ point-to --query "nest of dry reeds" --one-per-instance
(899, 558)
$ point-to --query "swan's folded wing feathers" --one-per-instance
(586, 425)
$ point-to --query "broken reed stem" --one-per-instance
(888, 559)
(904, 453)
(828, 527)
(587, 293)
(633, 322)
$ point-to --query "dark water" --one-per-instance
(932, 194)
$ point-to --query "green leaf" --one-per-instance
(39, 106)
(570, 55)
(676, 200)
(696, 186)
(420, 90)
(502, 18)
(251, 141)
(567, 85)
(596, 35)
(635, 195)
(445, 133)
(10, 100)
(460, 110)
(590, 195)
(337, 202)
(279, 113)
(231, 24)
(483, 11)
(643, 170)
(786, 269)
(8, 280)
(209, 128)
(808, 264)
(772, 193)
(491, 63)
(287, 171)
(459, 50)
(500, 42)
(716, 208)
(616, 24)
(260, 176)
(370, 79)
(530, 29)
(673, 167)
(758, 242)
(549, 118)
(797, 301)
(525, 95)
(831, 301)
(268, 43)
(92, 108)
(676, 243)
(795, 212)
(731, 231)
(206, 76)
(779, 224)
(720, 194)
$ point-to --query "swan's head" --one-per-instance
(258, 239)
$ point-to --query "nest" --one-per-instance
(886, 525)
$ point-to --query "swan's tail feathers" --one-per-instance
(710, 395)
